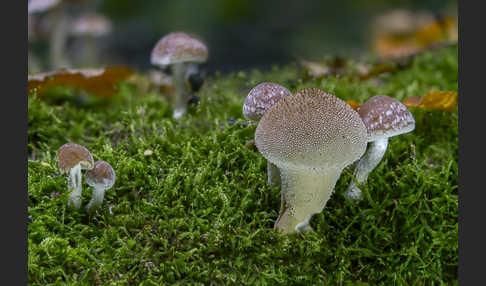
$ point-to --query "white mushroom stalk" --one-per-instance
(383, 117)
(311, 136)
(75, 186)
(257, 102)
(369, 161)
(181, 89)
(101, 178)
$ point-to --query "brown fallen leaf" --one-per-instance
(439, 100)
(433, 100)
(354, 104)
(101, 81)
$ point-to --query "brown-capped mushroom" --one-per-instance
(179, 50)
(383, 117)
(311, 136)
(101, 178)
(90, 26)
(72, 158)
(257, 102)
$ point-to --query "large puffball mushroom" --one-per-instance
(101, 178)
(89, 26)
(72, 158)
(180, 51)
(257, 102)
(311, 136)
(383, 117)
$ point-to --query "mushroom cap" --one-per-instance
(101, 174)
(311, 129)
(262, 97)
(385, 117)
(72, 154)
(177, 48)
(41, 5)
(91, 23)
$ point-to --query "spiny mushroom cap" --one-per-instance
(41, 5)
(101, 174)
(261, 98)
(72, 154)
(311, 129)
(177, 48)
(91, 24)
(385, 117)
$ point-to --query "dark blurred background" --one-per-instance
(241, 34)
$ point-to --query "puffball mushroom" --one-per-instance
(179, 50)
(257, 102)
(311, 136)
(73, 158)
(101, 178)
(383, 117)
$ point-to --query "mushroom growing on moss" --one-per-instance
(257, 102)
(179, 50)
(311, 136)
(101, 178)
(73, 158)
(383, 117)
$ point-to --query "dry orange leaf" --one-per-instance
(101, 81)
(434, 100)
(439, 100)
(412, 101)
(354, 104)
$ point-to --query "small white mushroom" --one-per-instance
(311, 136)
(179, 50)
(73, 158)
(101, 178)
(257, 102)
(383, 117)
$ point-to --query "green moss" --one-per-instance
(198, 210)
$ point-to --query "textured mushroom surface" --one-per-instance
(261, 98)
(41, 5)
(101, 174)
(385, 116)
(72, 154)
(91, 24)
(311, 128)
(178, 47)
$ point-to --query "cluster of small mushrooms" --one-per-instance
(310, 136)
(72, 158)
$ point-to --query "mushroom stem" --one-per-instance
(181, 89)
(273, 174)
(96, 199)
(367, 163)
(305, 192)
(74, 186)
(58, 38)
(91, 52)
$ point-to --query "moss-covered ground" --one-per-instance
(198, 211)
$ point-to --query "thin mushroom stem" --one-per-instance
(96, 199)
(58, 38)
(74, 186)
(273, 174)
(91, 52)
(305, 193)
(181, 89)
(367, 163)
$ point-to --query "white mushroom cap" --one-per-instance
(72, 154)
(311, 129)
(102, 175)
(91, 23)
(262, 97)
(41, 5)
(177, 48)
(385, 117)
